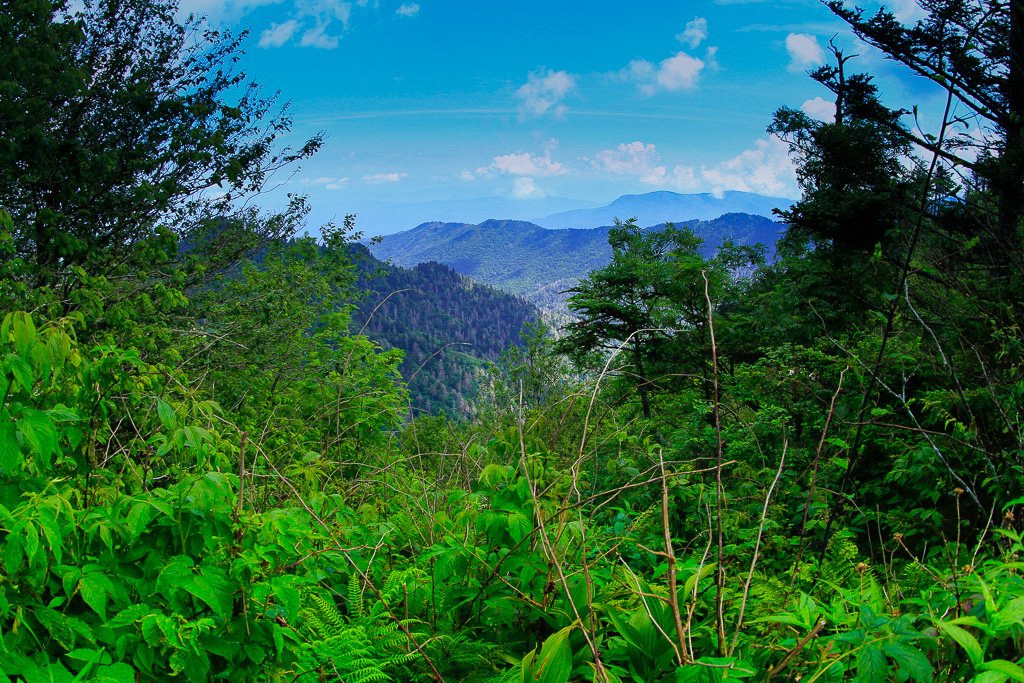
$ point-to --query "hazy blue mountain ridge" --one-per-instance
(537, 263)
(379, 218)
(658, 207)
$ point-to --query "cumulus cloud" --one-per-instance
(525, 188)
(465, 174)
(636, 158)
(765, 169)
(907, 11)
(318, 37)
(526, 164)
(219, 10)
(318, 23)
(543, 93)
(804, 51)
(819, 108)
(378, 178)
(679, 72)
(407, 9)
(279, 34)
(696, 31)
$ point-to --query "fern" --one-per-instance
(355, 595)
(335, 646)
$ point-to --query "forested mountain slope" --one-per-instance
(207, 474)
(448, 326)
(537, 263)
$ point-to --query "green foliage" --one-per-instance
(448, 326)
(204, 474)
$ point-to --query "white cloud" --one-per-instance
(544, 91)
(279, 34)
(766, 169)
(378, 178)
(711, 58)
(907, 11)
(804, 51)
(318, 37)
(638, 70)
(819, 108)
(681, 178)
(525, 188)
(408, 9)
(220, 10)
(526, 164)
(696, 31)
(466, 174)
(636, 158)
(326, 16)
(325, 9)
(328, 182)
(681, 72)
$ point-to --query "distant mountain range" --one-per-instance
(659, 207)
(384, 219)
(377, 218)
(537, 263)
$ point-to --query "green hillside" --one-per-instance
(209, 472)
(447, 325)
(536, 263)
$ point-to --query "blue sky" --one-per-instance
(453, 99)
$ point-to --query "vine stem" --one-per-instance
(757, 548)
(720, 575)
(684, 656)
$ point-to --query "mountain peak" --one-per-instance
(656, 207)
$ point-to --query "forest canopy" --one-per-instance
(810, 472)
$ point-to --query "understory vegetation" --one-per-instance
(812, 473)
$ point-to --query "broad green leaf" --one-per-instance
(1012, 670)
(13, 553)
(21, 370)
(910, 659)
(554, 663)
(116, 673)
(128, 615)
(202, 589)
(94, 588)
(138, 518)
(691, 582)
(1012, 613)
(965, 639)
(176, 574)
(10, 454)
(24, 333)
(519, 525)
(287, 595)
(990, 677)
(39, 432)
(526, 670)
(872, 666)
(89, 655)
(166, 414)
